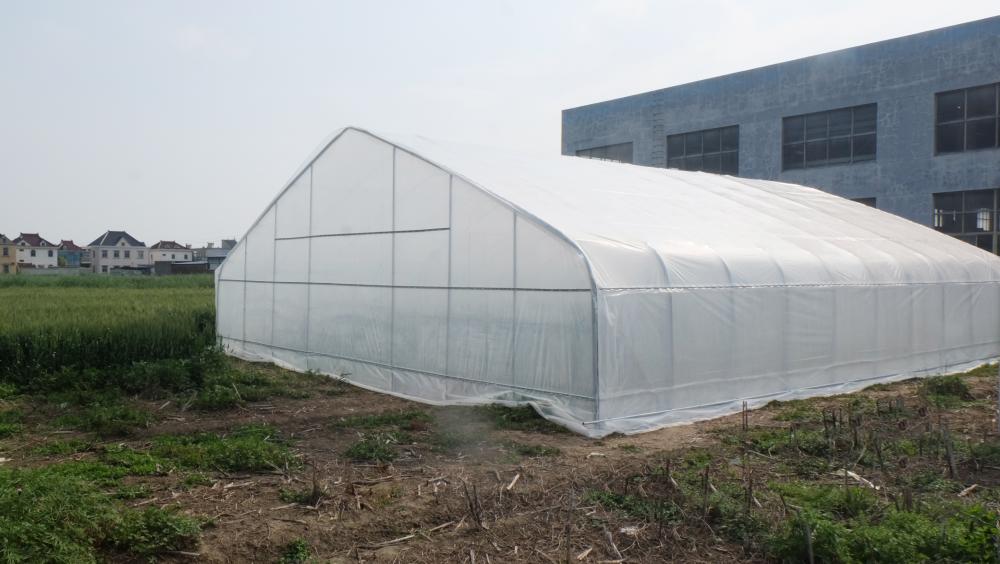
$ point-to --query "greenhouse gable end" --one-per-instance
(611, 297)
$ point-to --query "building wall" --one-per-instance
(171, 255)
(900, 75)
(70, 259)
(8, 261)
(41, 258)
(134, 260)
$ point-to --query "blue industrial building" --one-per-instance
(909, 125)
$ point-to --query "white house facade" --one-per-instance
(118, 249)
(170, 251)
(34, 251)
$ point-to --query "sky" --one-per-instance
(181, 120)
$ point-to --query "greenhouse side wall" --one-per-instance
(677, 355)
(378, 267)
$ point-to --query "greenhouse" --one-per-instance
(611, 297)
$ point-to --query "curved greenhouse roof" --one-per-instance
(612, 297)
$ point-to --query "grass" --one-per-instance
(99, 322)
(48, 516)
(377, 446)
(533, 451)
(945, 391)
(250, 448)
(106, 418)
(61, 447)
(522, 418)
(10, 423)
(295, 552)
(114, 282)
(412, 419)
(647, 509)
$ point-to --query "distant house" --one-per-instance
(118, 249)
(8, 256)
(214, 255)
(170, 251)
(33, 251)
(71, 255)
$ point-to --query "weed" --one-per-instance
(900, 536)
(829, 500)
(533, 450)
(946, 391)
(450, 440)
(375, 447)
(106, 417)
(986, 452)
(49, 516)
(295, 552)
(410, 420)
(309, 496)
(61, 447)
(196, 479)
(133, 462)
(521, 418)
(135, 491)
(795, 410)
(629, 448)
(250, 448)
(10, 423)
(637, 507)
(152, 531)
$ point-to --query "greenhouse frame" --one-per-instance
(611, 297)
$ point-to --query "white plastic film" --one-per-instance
(291, 260)
(546, 261)
(553, 342)
(230, 314)
(420, 329)
(421, 197)
(290, 314)
(260, 260)
(233, 268)
(481, 335)
(352, 186)
(293, 207)
(350, 321)
(482, 239)
(421, 259)
(624, 264)
(258, 311)
(352, 259)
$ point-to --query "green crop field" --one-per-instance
(47, 323)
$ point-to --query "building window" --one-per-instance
(620, 153)
(6, 251)
(104, 253)
(6, 268)
(845, 135)
(870, 202)
(141, 253)
(710, 150)
(970, 216)
(104, 268)
(32, 252)
(185, 256)
(50, 253)
(966, 120)
(117, 254)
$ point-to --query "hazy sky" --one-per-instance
(181, 120)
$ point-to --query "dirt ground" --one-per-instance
(464, 489)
